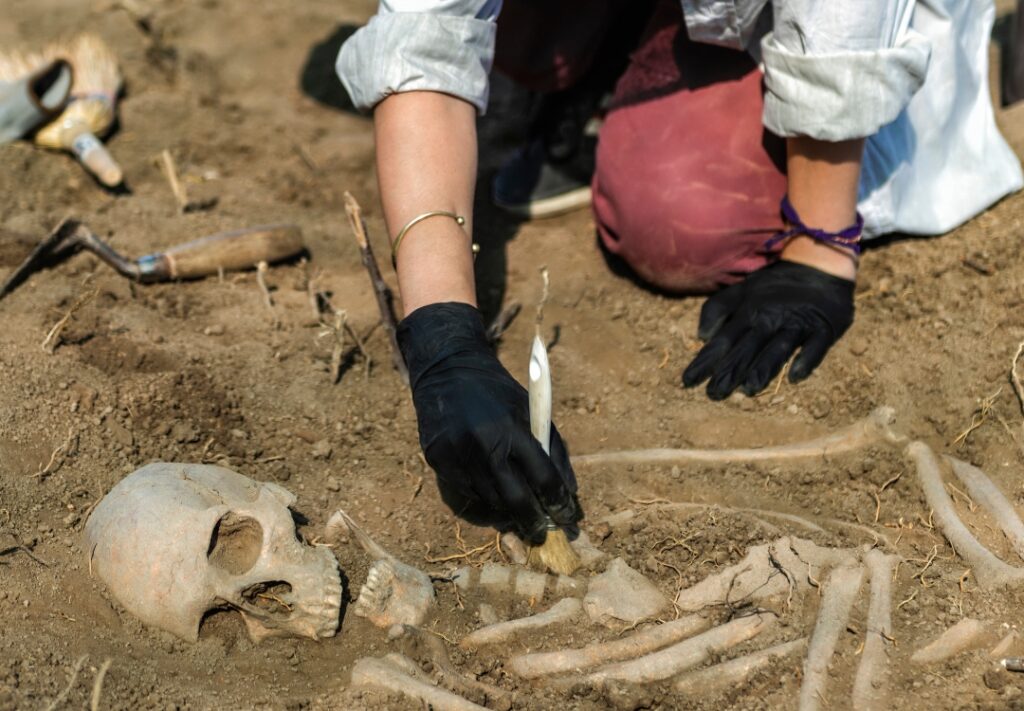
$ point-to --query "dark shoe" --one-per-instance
(551, 174)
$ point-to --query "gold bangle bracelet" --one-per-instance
(459, 220)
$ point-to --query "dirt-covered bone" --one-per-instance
(394, 592)
(869, 684)
(565, 610)
(989, 570)
(841, 590)
(538, 664)
(966, 634)
(621, 594)
(684, 655)
(519, 581)
(174, 541)
(876, 428)
(370, 672)
(719, 677)
(987, 494)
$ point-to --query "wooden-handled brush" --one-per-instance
(90, 112)
(555, 554)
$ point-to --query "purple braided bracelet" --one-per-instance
(848, 238)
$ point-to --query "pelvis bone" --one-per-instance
(173, 541)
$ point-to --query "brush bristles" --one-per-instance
(16, 65)
(555, 554)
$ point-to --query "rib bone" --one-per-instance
(986, 493)
(717, 678)
(564, 610)
(685, 655)
(988, 570)
(841, 590)
(876, 428)
(869, 684)
(377, 673)
(531, 666)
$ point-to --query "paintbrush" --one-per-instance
(225, 251)
(90, 111)
(554, 554)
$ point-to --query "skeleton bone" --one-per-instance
(427, 648)
(531, 666)
(684, 655)
(966, 634)
(173, 541)
(522, 582)
(876, 428)
(989, 570)
(841, 590)
(370, 672)
(986, 493)
(565, 610)
(869, 684)
(394, 592)
(735, 671)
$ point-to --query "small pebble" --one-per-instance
(322, 449)
(214, 330)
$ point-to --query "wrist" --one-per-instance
(433, 332)
(831, 259)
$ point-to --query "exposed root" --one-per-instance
(869, 684)
(686, 654)
(965, 634)
(841, 590)
(71, 684)
(564, 610)
(988, 569)
(874, 429)
(768, 571)
(719, 677)
(531, 666)
(986, 493)
(378, 673)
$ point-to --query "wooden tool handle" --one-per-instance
(240, 249)
(540, 394)
(97, 159)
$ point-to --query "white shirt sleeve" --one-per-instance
(840, 69)
(421, 45)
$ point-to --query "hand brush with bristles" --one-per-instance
(554, 554)
(90, 112)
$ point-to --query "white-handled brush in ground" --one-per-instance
(90, 112)
(555, 554)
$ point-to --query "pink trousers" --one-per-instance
(688, 182)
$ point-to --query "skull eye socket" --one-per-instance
(235, 544)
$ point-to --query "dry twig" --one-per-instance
(97, 686)
(63, 695)
(380, 289)
(49, 343)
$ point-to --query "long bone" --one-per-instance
(687, 654)
(522, 582)
(721, 676)
(986, 493)
(869, 684)
(427, 648)
(841, 590)
(876, 428)
(531, 666)
(381, 674)
(565, 610)
(989, 570)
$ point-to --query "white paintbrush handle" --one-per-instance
(540, 394)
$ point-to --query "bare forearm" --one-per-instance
(426, 161)
(823, 180)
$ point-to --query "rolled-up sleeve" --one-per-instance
(418, 45)
(840, 69)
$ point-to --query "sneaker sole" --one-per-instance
(549, 207)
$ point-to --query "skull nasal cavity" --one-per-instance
(236, 543)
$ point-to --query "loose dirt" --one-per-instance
(244, 97)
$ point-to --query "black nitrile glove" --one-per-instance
(474, 422)
(752, 328)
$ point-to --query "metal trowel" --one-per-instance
(225, 251)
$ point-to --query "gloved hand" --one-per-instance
(752, 328)
(29, 101)
(474, 422)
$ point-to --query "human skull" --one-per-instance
(174, 541)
